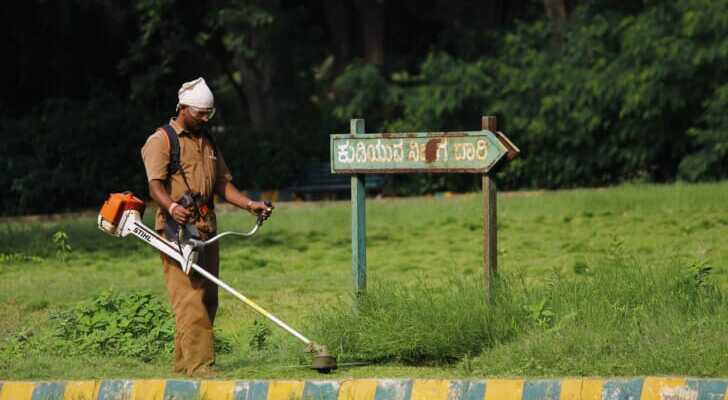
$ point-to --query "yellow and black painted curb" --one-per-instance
(649, 388)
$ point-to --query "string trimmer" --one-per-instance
(121, 215)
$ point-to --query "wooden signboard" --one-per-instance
(397, 153)
(358, 153)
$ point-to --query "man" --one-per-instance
(201, 172)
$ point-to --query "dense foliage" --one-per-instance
(636, 96)
(136, 325)
(616, 91)
(68, 154)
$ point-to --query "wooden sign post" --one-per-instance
(490, 237)
(358, 154)
(358, 220)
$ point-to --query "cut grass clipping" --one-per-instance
(612, 312)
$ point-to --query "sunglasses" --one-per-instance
(202, 112)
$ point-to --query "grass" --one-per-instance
(593, 282)
(615, 318)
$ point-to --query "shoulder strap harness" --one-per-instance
(174, 152)
(174, 163)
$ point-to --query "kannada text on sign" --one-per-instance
(466, 152)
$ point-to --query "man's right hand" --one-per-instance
(263, 209)
(180, 214)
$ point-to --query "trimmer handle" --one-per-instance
(260, 219)
(186, 200)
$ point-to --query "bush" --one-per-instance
(631, 93)
(136, 325)
(710, 161)
(69, 154)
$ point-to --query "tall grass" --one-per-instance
(617, 317)
(621, 318)
(417, 324)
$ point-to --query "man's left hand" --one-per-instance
(261, 208)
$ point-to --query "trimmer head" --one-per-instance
(323, 361)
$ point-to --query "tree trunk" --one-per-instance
(338, 18)
(256, 84)
(257, 72)
(556, 11)
(372, 24)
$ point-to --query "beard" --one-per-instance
(195, 126)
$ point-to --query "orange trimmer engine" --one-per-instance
(114, 208)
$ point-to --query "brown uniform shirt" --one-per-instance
(203, 167)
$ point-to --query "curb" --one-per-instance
(649, 388)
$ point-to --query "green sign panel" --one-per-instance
(469, 152)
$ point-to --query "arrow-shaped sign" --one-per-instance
(425, 152)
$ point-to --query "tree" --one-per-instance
(556, 11)
(371, 23)
(338, 20)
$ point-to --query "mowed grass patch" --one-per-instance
(299, 266)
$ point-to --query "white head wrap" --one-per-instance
(196, 93)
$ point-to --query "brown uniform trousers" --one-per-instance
(193, 298)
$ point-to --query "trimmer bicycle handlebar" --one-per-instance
(198, 244)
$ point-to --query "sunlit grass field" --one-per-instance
(594, 282)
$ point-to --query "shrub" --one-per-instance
(74, 164)
(137, 325)
(631, 93)
(63, 249)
